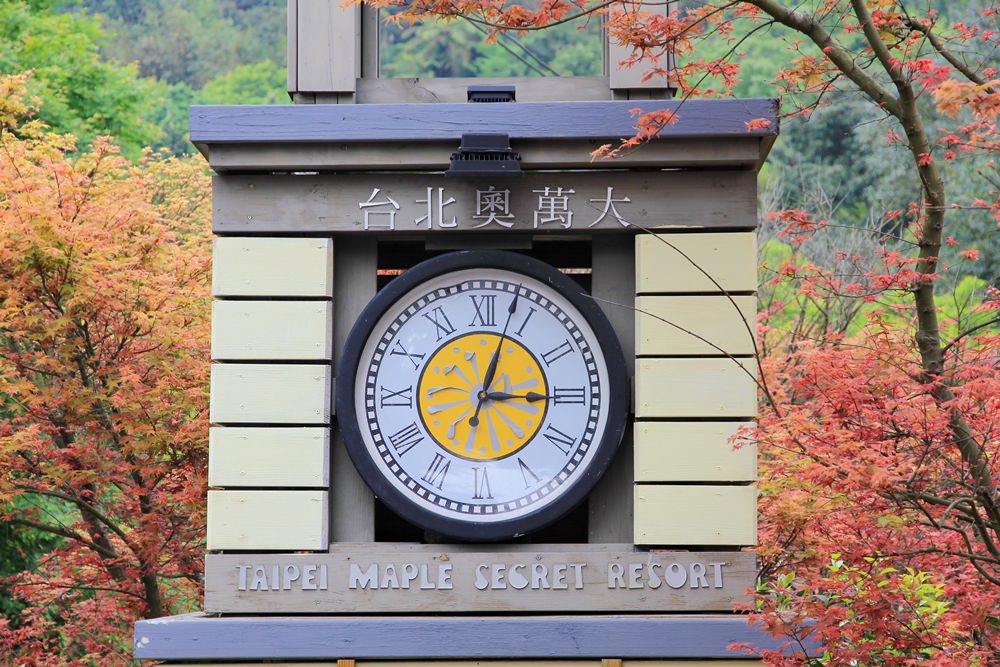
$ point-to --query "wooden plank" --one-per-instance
(353, 513)
(698, 387)
(272, 330)
(399, 202)
(500, 663)
(329, 43)
(370, 25)
(285, 520)
(621, 77)
(201, 637)
(695, 325)
(609, 505)
(695, 515)
(458, 581)
(678, 263)
(734, 152)
(434, 90)
(368, 548)
(270, 394)
(292, 46)
(522, 120)
(268, 457)
(272, 267)
(613, 288)
(345, 48)
(693, 452)
(612, 282)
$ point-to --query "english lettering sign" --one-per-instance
(413, 580)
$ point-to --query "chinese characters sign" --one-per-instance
(552, 206)
(575, 202)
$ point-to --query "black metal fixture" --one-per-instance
(490, 94)
(485, 155)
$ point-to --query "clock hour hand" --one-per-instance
(531, 396)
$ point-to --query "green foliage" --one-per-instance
(84, 95)
(22, 549)
(170, 113)
(864, 592)
(76, 70)
(821, 310)
(260, 83)
(191, 42)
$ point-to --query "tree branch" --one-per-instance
(837, 54)
(964, 70)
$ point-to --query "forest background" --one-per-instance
(104, 310)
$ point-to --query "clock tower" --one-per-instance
(475, 396)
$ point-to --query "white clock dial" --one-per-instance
(482, 397)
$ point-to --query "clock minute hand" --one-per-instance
(491, 370)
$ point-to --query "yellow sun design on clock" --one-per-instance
(451, 389)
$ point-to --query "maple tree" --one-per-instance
(104, 306)
(880, 514)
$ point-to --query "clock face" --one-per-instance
(481, 394)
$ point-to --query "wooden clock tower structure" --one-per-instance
(320, 206)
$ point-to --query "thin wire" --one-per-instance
(506, 48)
(531, 53)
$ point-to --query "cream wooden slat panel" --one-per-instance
(715, 323)
(244, 266)
(692, 452)
(690, 515)
(279, 520)
(270, 394)
(703, 387)
(272, 330)
(263, 457)
(728, 257)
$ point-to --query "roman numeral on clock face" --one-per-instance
(389, 398)
(399, 351)
(437, 471)
(483, 490)
(441, 321)
(531, 311)
(406, 438)
(485, 310)
(561, 440)
(526, 472)
(569, 396)
(557, 353)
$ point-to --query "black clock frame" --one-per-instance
(618, 394)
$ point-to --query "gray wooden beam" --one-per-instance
(423, 122)
(613, 282)
(355, 263)
(200, 637)
(455, 89)
(328, 203)
(698, 153)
